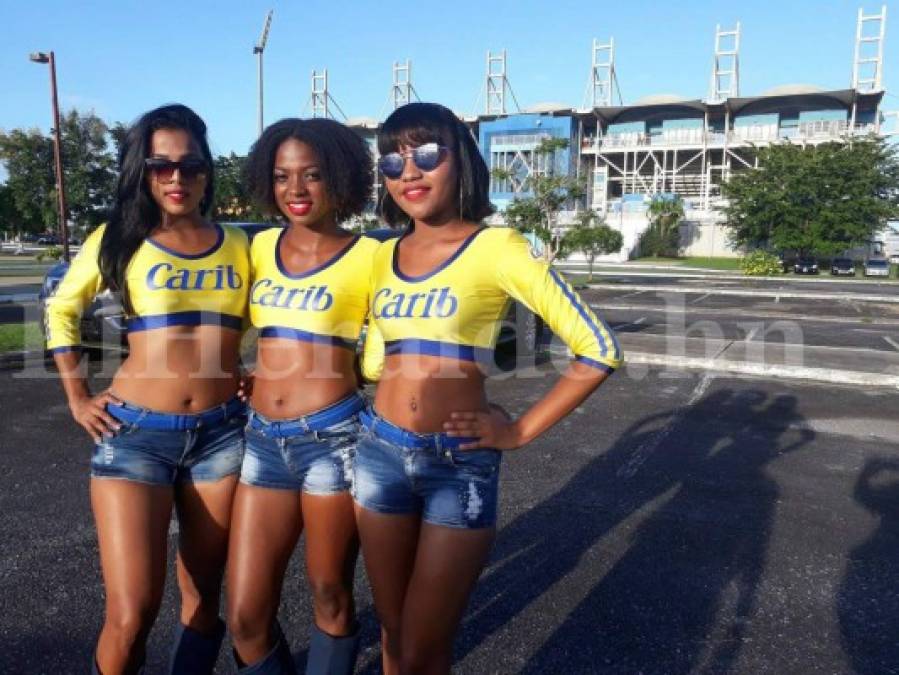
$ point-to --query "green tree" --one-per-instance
(10, 219)
(88, 167)
(88, 171)
(821, 199)
(662, 237)
(549, 193)
(28, 156)
(592, 237)
(232, 201)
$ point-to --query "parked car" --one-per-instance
(104, 320)
(877, 267)
(806, 265)
(842, 266)
(48, 240)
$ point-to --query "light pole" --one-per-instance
(42, 57)
(258, 50)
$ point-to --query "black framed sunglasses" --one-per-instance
(164, 169)
(426, 157)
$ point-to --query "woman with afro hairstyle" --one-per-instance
(309, 300)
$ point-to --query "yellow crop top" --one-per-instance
(166, 288)
(457, 309)
(327, 304)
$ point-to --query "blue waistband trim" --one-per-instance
(408, 439)
(449, 350)
(144, 418)
(316, 421)
(191, 318)
(306, 336)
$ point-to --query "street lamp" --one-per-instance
(258, 49)
(42, 57)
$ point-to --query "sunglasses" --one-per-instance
(164, 169)
(426, 157)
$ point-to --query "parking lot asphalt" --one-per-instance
(675, 523)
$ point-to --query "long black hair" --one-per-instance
(419, 123)
(134, 212)
(343, 159)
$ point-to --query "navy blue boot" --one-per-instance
(277, 662)
(329, 655)
(195, 653)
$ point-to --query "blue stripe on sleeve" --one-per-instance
(606, 368)
(603, 348)
(63, 350)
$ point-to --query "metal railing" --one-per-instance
(817, 130)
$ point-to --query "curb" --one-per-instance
(18, 298)
(828, 375)
(712, 311)
(623, 270)
(891, 299)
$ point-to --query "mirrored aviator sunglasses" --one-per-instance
(426, 157)
(164, 169)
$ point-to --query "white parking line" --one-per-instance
(630, 295)
(892, 342)
(751, 334)
(700, 299)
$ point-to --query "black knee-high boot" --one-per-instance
(195, 653)
(277, 662)
(329, 655)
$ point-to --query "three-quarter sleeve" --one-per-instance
(545, 292)
(74, 294)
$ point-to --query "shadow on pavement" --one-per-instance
(690, 491)
(868, 600)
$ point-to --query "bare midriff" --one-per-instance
(179, 369)
(419, 392)
(294, 378)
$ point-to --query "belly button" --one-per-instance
(188, 402)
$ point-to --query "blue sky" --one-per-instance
(122, 58)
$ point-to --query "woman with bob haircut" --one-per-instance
(308, 299)
(427, 466)
(169, 430)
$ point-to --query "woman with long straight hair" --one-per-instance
(169, 430)
(309, 299)
(427, 466)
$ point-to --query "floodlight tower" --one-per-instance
(402, 90)
(320, 95)
(726, 67)
(867, 67)
(258, 50)
(602, 73)
(496, 85)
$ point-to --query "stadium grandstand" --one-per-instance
(661, 145)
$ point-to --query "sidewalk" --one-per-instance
(681, 272)
(837, 365)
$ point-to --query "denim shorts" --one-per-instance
(425, 474)
(300, 454)
(140, 452)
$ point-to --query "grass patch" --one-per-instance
(16, 337)
(694, 261)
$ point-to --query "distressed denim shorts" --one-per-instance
(313, 453)
(158, 448)
(403, 472)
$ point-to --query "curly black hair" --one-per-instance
(419, 123)
(344, 160)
